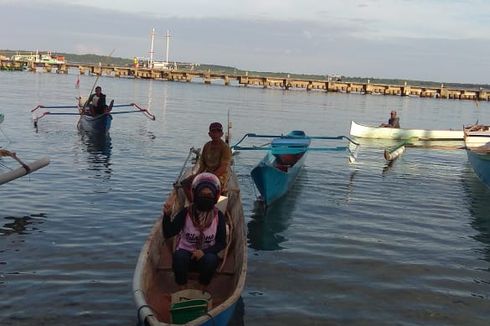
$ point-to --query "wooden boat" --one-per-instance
(153, 282)
(99, 124)
(277, 171)
(94, 124)
(361, 131)
(476, 135)
(477, 141)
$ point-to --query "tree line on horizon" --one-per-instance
(125, 62)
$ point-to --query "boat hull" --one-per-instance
(153, 280)
(481, 165)
(99, 124)
(361, 131)
(271, 181)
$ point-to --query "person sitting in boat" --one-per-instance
(216, 154)
(393, 122)
(201, 229)
(96, 102)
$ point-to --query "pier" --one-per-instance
(285, 83)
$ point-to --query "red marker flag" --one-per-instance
(77, 84)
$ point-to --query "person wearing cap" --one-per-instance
(216, 154)
(393, 122)
(201, 229)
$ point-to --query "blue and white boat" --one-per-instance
(275, 174)
(477, 142)
(277, 171)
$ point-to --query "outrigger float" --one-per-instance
(24, 169)
(275, 174)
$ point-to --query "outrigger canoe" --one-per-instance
(277, 171)
(477, 142)
(92, 124)
(99, 124)
(361, 131)
(275, 174)
(153, 282)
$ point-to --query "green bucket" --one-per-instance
(186, 311)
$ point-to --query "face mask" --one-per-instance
(204, 204)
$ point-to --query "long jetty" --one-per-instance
(286, 83)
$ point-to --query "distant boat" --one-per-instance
(477, 141)
(361, 131)
(277, 171)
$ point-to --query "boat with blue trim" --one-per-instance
(477, 141)
(286, 154)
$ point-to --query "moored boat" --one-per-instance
(476, 135)
(361, 131)
(277, 171)
(99, 124)
(154, 284)
(477, 141)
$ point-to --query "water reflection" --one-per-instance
(478, 203)
(266, 225)
(99, 148)
(21, 225)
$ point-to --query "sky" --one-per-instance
(433, 40)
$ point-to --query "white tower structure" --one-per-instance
(151, 47)
(167, 37)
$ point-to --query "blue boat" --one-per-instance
(478, 150)
(480, 161)
(277, 171)
(99, 124)
(286, 155)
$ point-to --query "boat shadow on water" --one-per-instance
(266, 226)
(21, 225)
(477, 200)
(99, 150)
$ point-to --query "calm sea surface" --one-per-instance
(351, 244)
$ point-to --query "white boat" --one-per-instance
(361, 131)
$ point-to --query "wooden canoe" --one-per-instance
(362, 131)
(275, 174)
(153, 282)
(477, 143)
(99, 124)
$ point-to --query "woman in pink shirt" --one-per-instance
(201, 231)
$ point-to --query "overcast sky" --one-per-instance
(437, 40)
